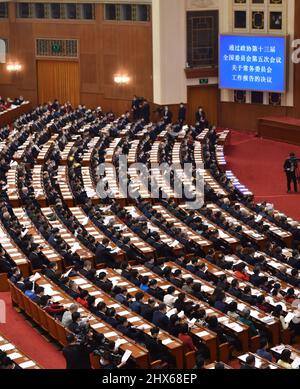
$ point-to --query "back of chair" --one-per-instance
(254, 343)
(21, 299)
(190, 359)
(13, 292)
(27, 305)
(62, 333)
(52, 326)
(43, 319)
(4, 287)
(34, 308)
(224, 352)
(156, 364)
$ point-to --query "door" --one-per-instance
(207, 97)
(58, 80)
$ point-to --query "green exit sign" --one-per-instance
(203, 81)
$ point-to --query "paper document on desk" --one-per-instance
(7, 347)
(85, 221)
(14, 356)
(75, 247)
(289, 317)
(296, 363)
(35, 277)
(119, 342)
(67, 273)
(175, 243)
(171, 312)
(167, 341)
(26, 365)
(126, 356)
(38, 194)
(222, 235)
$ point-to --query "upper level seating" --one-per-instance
(12, 112)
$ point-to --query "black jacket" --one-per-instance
(77, 356)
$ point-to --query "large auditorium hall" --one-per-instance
(150, 178)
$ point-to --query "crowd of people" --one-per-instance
(8, 103)
(53, 118)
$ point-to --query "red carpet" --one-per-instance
(258, 164)
(30, 341)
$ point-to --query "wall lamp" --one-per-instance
(121, 80)
(13, 67)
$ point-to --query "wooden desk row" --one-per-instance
(66, 235)
(217, 272)
(165, 238)
(223, 137)
(135, 240)
(94, 230)
(237, 329)
(110, 151)
(62, 179)
(16, 355)
(88, 153)
(58, 332)
(260, 363)
(173, 344)
(192, 235)
(295, 354)
(277, 231)
(265, 320)
(223, 235)
(205, 335)
(237, 185)
(247, 231)
(15, 253)
(46, 249)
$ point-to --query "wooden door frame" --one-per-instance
(68, 59)
(218, 97)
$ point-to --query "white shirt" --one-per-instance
(169, 300)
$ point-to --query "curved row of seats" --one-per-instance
(60, 205)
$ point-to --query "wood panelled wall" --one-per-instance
(106, 48)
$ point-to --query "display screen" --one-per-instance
(255, 63)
